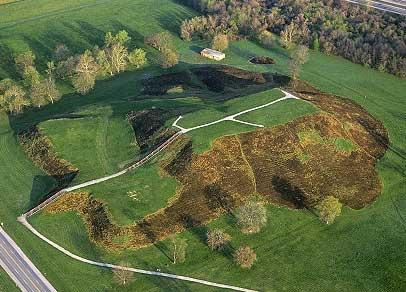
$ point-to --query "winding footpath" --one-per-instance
(23, 219)
(233, 117)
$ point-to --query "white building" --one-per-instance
(213, 54)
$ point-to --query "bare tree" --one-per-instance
(329, 208)
(251, 217)
(178, 247)
(289, 35)
(217, 239)
(121, 276)
(245, 257)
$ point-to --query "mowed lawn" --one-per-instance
(278, 113)
(362, 251)
(134, 195)
(6, 284)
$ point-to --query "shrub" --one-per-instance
(245, 257)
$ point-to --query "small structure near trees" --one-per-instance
(213, 54)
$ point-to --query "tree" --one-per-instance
(251, 217)
(289, 35)
(45, 91)
(14, 99)
(178, 247)
(168, 58)
(298, 58)
(38, 95)
(219, 42)
(61, 52)
(245, 257)
(86, 71)
(114, 57)
(31, 77)
(329, 208)
(266, 39)
(217, 239)
(123, 276)
(160, 41)
(48, 86)
(121, 38)
(24, 60)
(137, 58)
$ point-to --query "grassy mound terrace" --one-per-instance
(332, 152)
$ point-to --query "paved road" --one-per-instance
(23, 272)
(393, 6)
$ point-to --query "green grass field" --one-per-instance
(6, 284)
(362, 251)
(132, 196)
(97, 146)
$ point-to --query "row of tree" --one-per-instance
(82, 70)
(369, 37)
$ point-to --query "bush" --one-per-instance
(217, 239)
(245, 257)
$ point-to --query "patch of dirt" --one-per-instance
(159, 85)
(40, 150)
(214, 78)
(148, 126)
(294, 165)
(262, 60)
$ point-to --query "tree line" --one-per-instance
(364, 36)
(81, 70)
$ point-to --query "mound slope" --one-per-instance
(297, 164)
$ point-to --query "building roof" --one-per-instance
(213, 52)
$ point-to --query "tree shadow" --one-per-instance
(6, 58)
(42, 186)
(289, 192)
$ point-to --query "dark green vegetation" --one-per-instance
(365, 36)
(360, 251)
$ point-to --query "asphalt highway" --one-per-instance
(23, 272)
